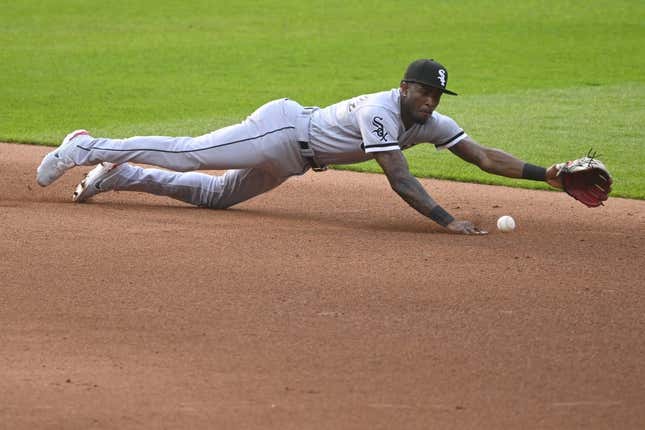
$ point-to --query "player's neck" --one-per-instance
(406, 118)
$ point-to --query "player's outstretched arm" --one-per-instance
(502, 163)
(410, 189)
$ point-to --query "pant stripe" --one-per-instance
(187, 150)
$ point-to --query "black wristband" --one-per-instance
(533, 172)
(440, 216)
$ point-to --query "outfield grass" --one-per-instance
(546, 126)
(545, 80)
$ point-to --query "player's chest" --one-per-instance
(409, 138)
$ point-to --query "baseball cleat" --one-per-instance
(96, 181)
(57, 162)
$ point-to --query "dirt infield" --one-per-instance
(325, 304)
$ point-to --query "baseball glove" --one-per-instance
(586, 180)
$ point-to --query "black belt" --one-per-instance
(310, 157)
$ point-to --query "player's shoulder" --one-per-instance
(384, 101)
(388, 99)
(438, 116)
(441, 130)
(438, 119)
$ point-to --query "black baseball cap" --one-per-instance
(428, 72)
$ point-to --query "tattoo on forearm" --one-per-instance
(415, 195)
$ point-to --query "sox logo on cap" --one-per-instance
(442, 77)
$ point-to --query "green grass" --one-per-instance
(545, 80)
(546, 126)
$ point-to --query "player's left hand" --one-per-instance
(586, 180)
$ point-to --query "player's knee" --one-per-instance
(217, 193)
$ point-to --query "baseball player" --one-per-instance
(282, 139)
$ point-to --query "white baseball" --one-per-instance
(506, 223)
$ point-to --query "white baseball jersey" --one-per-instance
(352, 130)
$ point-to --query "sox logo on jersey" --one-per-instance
(379, 130)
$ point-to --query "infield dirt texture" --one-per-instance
(326, 304)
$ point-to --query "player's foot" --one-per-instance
(98, 180)
(59, 160)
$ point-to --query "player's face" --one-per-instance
(418, 101)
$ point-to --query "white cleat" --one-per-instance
(57, 162)
(96, 181)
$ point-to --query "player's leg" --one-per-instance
(199, 189)
(249, 144)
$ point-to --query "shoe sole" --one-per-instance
(91, 179)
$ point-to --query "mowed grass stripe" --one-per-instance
(184, 68)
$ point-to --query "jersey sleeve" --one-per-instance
(445, 132)
(379, 129)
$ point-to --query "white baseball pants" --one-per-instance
(261, 153)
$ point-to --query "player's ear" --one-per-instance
(404, 88)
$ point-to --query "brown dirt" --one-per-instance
(325, 304)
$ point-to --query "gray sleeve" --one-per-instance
(443, 132)
(379, 129)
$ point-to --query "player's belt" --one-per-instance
(302, 134)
